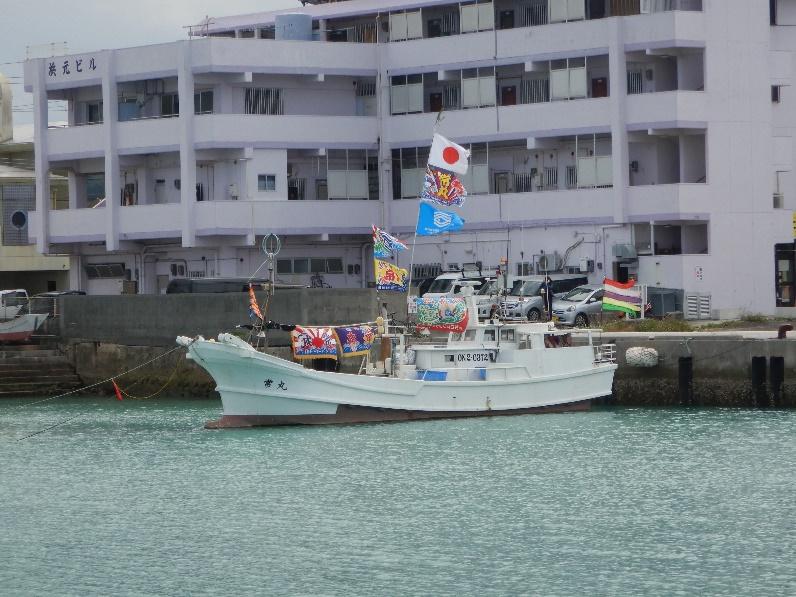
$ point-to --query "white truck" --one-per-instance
(12, 303)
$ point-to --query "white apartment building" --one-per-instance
(645, 138)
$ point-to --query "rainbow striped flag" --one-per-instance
(621, 297)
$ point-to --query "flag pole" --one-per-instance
(412, 261)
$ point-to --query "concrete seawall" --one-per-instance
(725, 370)
(748, 370)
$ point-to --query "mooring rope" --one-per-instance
(40, 431)
(99, 383)
(104, 381)
(163, 387)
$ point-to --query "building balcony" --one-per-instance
(678, 28)
(75, 142)
(138, 222)
(666, 109)
(522, 120)
(281, 132)
(286, 217)
(585, 206)
(218, 55)
(668, 201)
(72, 225)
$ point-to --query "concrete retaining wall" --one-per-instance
(146, 320)
(722, 372)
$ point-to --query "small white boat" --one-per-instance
(490, 369)
(21, 328)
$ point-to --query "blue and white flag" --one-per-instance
(385, 245)
(435, 221)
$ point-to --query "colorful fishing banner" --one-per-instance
(313, 343)
(447, 155)
(432, 221)
(254, 308)
(442, 314)
(385, 245)
(625, 298)
(443, 188)
(355, 340)
(390, 277)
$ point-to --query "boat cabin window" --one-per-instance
(551, 341)
(448, 358)
(489, 335)
(469, 335)
(507, 335)
(524, 342)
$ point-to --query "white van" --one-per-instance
(451, 284)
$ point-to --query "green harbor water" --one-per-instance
(136, 498)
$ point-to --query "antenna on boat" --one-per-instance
(271, 246)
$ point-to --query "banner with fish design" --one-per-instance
(314, 343)
(442, 314)
(385, 245)
(355, 340)
(390, 277)
(443, 188)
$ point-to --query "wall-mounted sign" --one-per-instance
(70, 66)
(699, 273)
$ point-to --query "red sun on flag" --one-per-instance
(450, 155)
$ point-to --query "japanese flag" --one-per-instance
(448, 156)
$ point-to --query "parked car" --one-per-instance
(580, 306)
(525, 300)
(13, 303)
(451, 284)
(420, 286)
(487, 299)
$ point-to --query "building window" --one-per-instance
(264, 100)
(775, 93)
(284, 266)
(169, 105)
(94, 113)
(314, 265)
(266, 182)
(95, 188)
(203, 102)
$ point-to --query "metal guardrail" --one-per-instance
(605, 353)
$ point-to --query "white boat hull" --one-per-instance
(259, 389)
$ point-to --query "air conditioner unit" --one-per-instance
(625, 252)
(549, 262)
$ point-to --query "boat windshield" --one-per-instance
(441, 285)
(577, 295)
(488, 288)
(529, 288)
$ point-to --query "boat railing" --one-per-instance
(605, 353)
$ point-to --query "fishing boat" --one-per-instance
(21, 328)
(488, 369)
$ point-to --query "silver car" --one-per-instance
(580, 306)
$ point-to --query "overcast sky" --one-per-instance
(99, 24)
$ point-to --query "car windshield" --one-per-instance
(526, 288)
(488, 288)
(577, 295)
(443, 285)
